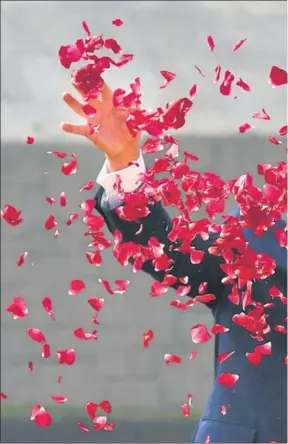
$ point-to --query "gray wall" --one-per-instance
(163, 35)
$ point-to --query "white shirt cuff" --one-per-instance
(129, 177)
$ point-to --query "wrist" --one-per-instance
(121, 162)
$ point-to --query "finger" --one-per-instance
(74, 104)
(81, 130)
(107, 95)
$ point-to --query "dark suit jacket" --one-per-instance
(257, 404)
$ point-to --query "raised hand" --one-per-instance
(105, 126)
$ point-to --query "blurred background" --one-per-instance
(164, 35)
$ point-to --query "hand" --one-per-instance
(111, 135)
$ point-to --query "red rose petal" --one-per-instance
(30, 140)
(147, 337)
(244, 128)
(274, 140)
(117, 22)
(66, 356)
(238, 45)
(3, 395)
(193, 354)
(106, 406)
(278, 76)
(89, 111)
(223, 410)
(21, 259)
(46, 351)
(91, 409)
(283, 131)
(69, 168)
(58, 154)
(86, 28)
(63, 200)
(50, 222)
(254, 358)
(11, 215)
(76, 286)
(96, 303)
(41, 416)
(193, 91)
(243, 85)
(87, 187)
(172, 359)
(59, 399)
(224, 356)
(83, 427)
(264, 349)
(51, 200)
(168, 76)
(185, 409)
(211, 43)
(36, 335)
(199, 334)
(48, 307)
(227, 379)
(30, 366)
(262, 115)
(80, 333)
(217, 329)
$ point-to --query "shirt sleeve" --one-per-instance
(129, 178)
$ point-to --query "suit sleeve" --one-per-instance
(158, 224)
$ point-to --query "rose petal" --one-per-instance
(227, 379)
(199, 334)
(76, 286)
(172, 359)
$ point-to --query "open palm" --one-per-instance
(105, 127)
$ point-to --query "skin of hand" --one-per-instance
(112, 136)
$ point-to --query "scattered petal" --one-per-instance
(83, 427)
(41, 416)
(76, 286)
(69, 168)
(211, 43)
(63, 200)
(283, 131)
(244, 128)
(66, 356)
(224, 356)
(147, 337)
(30, 140)
(36, 335)
(117, 22)
(254, 358)
(46, 351)
(278, 77)
(87, 187)
(227, 379)
(50, 222)
(274, 140)
(262, 115)
(18, 308)
(168, 76)
(21, 259)
(80, 333)
(48, 307)
(239, 44)
(11, 215)
(199, 334)
(172, 359)
(59, 399)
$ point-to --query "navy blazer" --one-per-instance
(257, 404)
